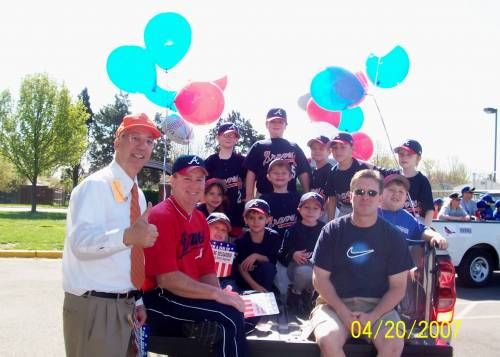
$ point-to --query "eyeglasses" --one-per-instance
(361, 192)
(136, 139)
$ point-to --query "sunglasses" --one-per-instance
(361, 192)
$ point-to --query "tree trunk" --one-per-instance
(33, 195)
(75, 174)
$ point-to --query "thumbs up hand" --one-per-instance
(141, 233)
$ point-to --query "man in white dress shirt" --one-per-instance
(101, 276)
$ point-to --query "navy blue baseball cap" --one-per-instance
(468, 189)
(312, 196)
(438, 201)
(279, 162)
(276, 113)
(227, 128)
(319, 139)
(185, 163)
(487, 199)
(411, 146)
(219, 217)
(482, 204)
(497, 204)
(454, 196)
(258, 205)
(343, 138)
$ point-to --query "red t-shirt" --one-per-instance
(183, 243)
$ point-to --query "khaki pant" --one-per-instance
(324, 314)
(95, 327)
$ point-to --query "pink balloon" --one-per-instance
(221, 83)
(200, 102)
(362, 79)
(362, 147)
(316, 113)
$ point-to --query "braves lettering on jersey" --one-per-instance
(233, 172)
(361, 259)
(338, 185)
(263, 152)
(283, 210)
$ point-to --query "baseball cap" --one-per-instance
(276, 113)
(344, 138)
(438, 201)
(482, 204)
(279, 162)
(139, 120)
(487, 199)
(411, 146)
(497, 204)
(258, 205)
(312, 196)
(454, 196)
(219, 217)
(228, 127)
(319, 139)
(468, 189)
(185, 163)
(397, 178)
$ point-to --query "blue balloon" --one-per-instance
(351, 120)
(168, 37)
(390, 70)
(163, 98)
(131, 69)
(336, 88)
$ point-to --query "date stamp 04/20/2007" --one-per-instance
(398, 329)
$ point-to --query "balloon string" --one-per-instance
(165, 163)
(385, 129)
(390, 146)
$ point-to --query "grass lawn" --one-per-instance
(29, 205)
(39, 231)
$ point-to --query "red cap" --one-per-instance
(140, 120)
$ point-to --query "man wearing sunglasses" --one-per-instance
(360, 267)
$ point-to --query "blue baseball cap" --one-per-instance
(227, 128)
(411, 146)
(185, 163)
(487, 199)
(258, 205)
(276, 113)
(438, 201)
(319, 139)
(468, 189)
(312, 196)
(219, 217)
(343, 138)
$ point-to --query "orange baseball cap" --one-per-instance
(140, 120)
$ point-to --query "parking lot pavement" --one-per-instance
(31, 298)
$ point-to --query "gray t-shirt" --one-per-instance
(469, 206)
(453, 212)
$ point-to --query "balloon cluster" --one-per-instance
(167, 38)
(336, 93)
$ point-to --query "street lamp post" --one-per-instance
(494, 111)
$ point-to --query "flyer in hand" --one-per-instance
(260, 304)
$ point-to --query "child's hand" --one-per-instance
(301, 256)
(249, 262)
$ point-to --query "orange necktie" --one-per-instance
(137, 256)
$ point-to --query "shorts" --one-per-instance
(324, 314)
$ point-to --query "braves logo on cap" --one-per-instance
(194, 160)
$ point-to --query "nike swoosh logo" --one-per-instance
(352, 254)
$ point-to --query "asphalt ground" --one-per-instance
(31, 300)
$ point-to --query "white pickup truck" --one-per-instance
(474, 248)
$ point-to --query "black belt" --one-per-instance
(136, 294)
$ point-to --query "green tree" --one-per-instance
(41, 135)
(106, 122)
(248, 135)
(9, 179)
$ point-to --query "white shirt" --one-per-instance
(95, 257)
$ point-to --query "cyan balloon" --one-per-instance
(131, 69)
(390, 70)
(336, 88)
(163, 98)
(168, 37)
(351, 120)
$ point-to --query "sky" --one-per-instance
(271, 50)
